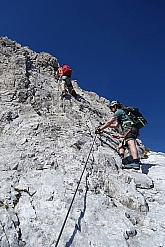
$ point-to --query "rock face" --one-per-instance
(45, 143)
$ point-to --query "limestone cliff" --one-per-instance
(44, 145)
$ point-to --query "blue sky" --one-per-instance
(116, 48)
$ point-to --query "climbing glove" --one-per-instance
(98, 130)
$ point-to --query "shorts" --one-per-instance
(131, 135)
(66, 81)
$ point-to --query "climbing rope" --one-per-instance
(62, 228)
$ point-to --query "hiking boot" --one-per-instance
(135, 166)
(128, 160)
(64, 92)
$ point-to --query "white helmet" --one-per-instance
(114, 102)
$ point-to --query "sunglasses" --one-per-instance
(112, 106)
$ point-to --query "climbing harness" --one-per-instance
(62, 228)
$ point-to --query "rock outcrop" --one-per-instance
(44, 145)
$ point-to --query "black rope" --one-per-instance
(62, 228)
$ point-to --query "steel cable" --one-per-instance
(62, 228)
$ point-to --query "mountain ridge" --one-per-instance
(45, 142)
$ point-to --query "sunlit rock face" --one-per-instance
(45, 143)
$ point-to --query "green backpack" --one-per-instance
(135, 116)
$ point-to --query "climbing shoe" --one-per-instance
(135, 166)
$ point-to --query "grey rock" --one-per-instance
(44, 146)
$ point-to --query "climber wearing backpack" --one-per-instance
(63, 74)
(129, 133)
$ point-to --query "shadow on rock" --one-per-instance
(78, 225)
(80, 98)
(67, 97)
(145, 167)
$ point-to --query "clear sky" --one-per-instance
(116, 48)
